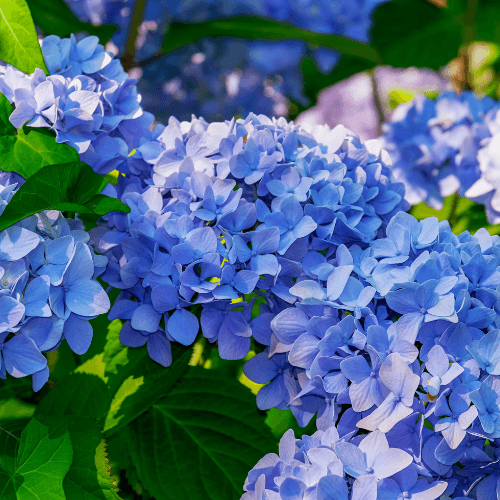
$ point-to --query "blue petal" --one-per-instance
(78, 333)
(159, 349)
(22, 357)
(332, 488)
(183, 326)
(17, 242)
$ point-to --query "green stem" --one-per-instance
(9, 433)
(453, 211)
(379, 106)
(469, 36)
(128, 59)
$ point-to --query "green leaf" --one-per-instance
(10, 435)
(135, 382)
(27, 150)
(208, 430)
(68, 186)
(486, 22)
(42, 461)
(54, 17)
(416, 33)
(14, 408)
(82, 393)
(461, 213)
(18, 39)
(140, 391)
(116, 386)
(279, 421)
(255, 28)
(89, 477)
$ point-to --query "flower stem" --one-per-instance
(379, 106)
(453, 211)
(128, 59)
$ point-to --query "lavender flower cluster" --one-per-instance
(48, 290)
(414, 353)
(447, 146)
(237, 210)
(337, 465)
(88, 101)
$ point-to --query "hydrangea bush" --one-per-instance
(446, 146)
(255, 239)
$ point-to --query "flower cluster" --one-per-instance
(486, 189)
(221, 78)
(399, 332)
(88, 101)
(434, 145)
(384, 328)
(329, 466)
(48, 290)
(238, 211)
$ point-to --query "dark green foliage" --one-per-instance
(72, 186)
(416, 33)
(54, 17)
(255, 28)
(209, 432)
(27, 150)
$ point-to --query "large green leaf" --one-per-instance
(10, 434)
(115, 386)
(43, 459)
(89, 477)
(54, 17)
(18, 39)
(416, 33)
(209, 432)
(135, 382)
(69, 186)
(255, 28)
(82, 393)
(139, 391)
(27, 150)
(14, 408)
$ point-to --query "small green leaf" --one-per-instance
(27, 150)
(209, 430)
(18, 39)
(54, 17)
(42, 461)
(68, 186)
(254, 28)
(89, 477)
